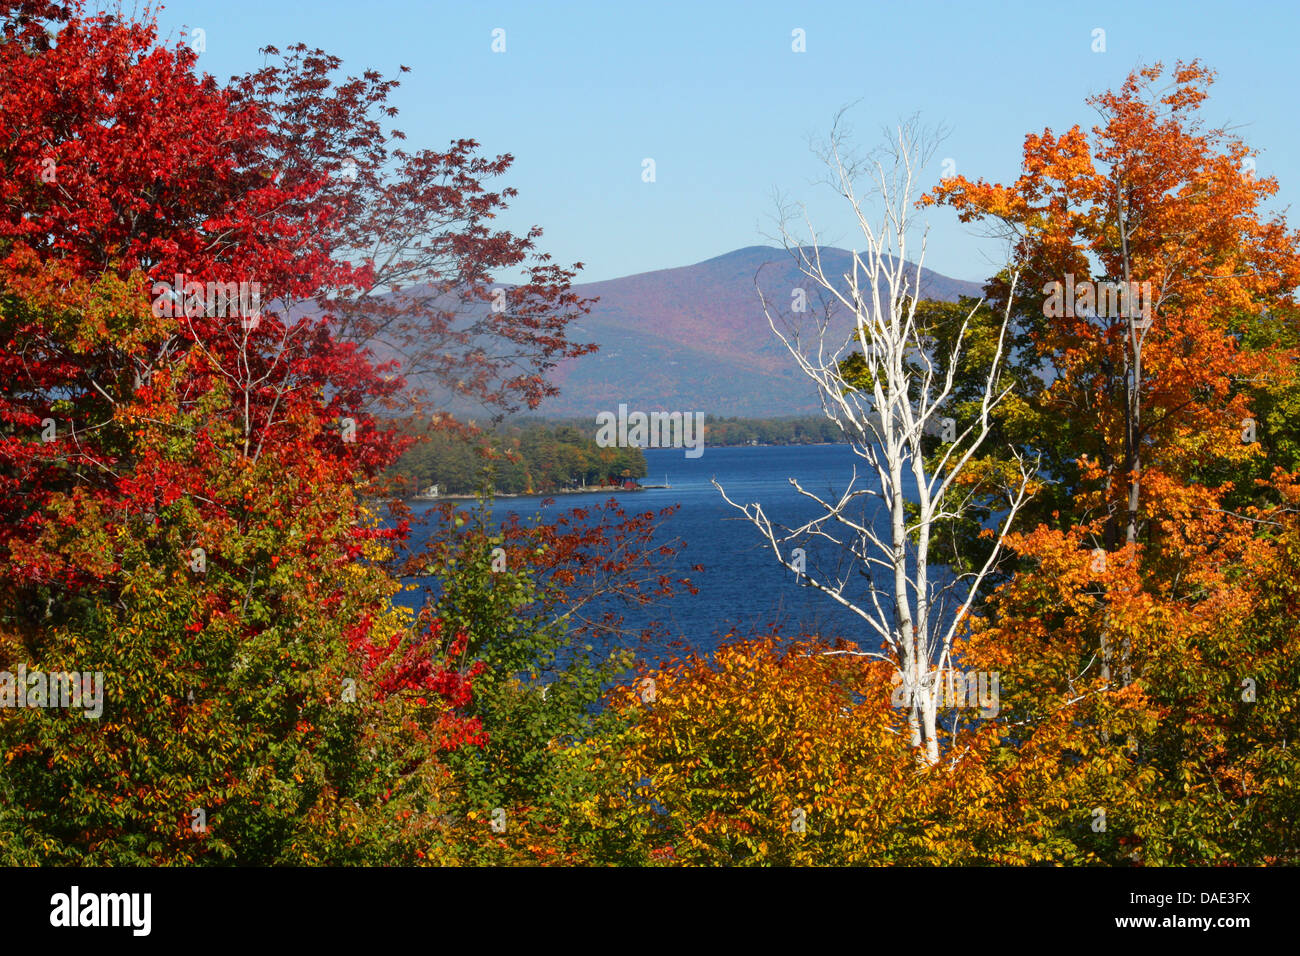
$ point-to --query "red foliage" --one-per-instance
(421, 220)
(433, 668)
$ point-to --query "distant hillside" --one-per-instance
(694, 338)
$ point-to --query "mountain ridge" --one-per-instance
(694, 337)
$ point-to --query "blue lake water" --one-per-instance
(742, 589)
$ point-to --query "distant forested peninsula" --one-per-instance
(518, 457)
(798, 430)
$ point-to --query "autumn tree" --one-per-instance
(763, 753)
(1167, 515)
(1141, 394)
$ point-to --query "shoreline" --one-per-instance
(604, 490)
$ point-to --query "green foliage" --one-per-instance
(538, 697)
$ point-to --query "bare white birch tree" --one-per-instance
(914, 612)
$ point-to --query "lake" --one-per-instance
(742, 588)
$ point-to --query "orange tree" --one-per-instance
(1149, 592)
(1130, 403)
(765, 753)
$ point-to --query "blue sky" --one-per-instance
(714, 94)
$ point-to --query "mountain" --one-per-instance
(694, 338)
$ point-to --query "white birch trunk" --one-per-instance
(884, 427)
